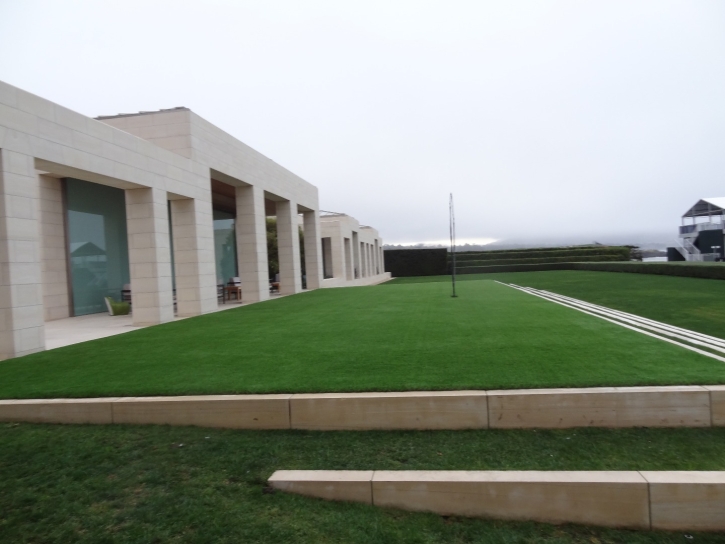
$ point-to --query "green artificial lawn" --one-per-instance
(692, 303)
(404, 337)
(98, 484)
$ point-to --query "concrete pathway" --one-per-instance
(72, 330)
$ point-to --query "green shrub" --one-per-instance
(118, 308)
(715, 271)
(690, 270)
(623, 252)
(416, 262)
(541, 260)
(537, 249)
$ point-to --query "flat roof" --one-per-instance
(167, 110)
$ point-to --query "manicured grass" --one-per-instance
(405, 337)
(692, 303)
(121, 484)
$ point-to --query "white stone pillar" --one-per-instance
(339, 266)
(356, 271)
(251, 231)
(369, 255)
(364, 250)
(376, 259)
(313, 249)
(347, 247)
(21, 297)
(363, 261)
(382, 258)
(54, 249)
(149, 255)
(288, 245)
(194, 265)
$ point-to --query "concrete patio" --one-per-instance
(73, 330)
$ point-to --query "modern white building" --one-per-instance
(163, 204)
(352, 254)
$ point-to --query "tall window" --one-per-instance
(225, 246)
(97, 244)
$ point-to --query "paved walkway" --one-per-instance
(73, 330)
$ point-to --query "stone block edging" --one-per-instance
(629, 499)
(668, 406)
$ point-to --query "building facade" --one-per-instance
(352, 254)
(162, 204)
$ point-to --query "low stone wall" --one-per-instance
(638, 500)
(676, 406)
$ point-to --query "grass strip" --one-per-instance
(691, 303)
(404, 337)
(91, 484)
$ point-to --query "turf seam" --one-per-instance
(696, 350)
(662, 328)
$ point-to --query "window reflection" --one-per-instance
(225, 246)
(97, 244)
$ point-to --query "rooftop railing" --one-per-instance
(697, 227)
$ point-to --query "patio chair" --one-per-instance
(126, 293)
(234, 287)
(220, 290)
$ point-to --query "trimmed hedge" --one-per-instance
(707, 271)
(416, 262)
(622, 252)
(527, 250)
(713, 271)
(541, 260)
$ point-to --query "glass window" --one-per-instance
(97, 244)
(225, 246)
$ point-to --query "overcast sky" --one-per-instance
(599, 119)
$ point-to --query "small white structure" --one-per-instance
(352, 254)
(702, 239)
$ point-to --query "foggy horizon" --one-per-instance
(595, 120)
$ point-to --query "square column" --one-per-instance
(22, 329)
(339, 266)
(194, 266)
(313, 249)
(348, 275)
(251, 231)
(369, 255)
(355, 256)
(376, 253)
(288, 245)
(363, 259)
(54, 249)
(149, 256)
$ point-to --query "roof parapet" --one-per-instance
(167, 110)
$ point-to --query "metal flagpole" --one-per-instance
(453, 246)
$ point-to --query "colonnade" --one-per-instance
(355, 251)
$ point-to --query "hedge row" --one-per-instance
(708, 271)
(416, 262)
(521, 250)
(624, 252)
(541, 260)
